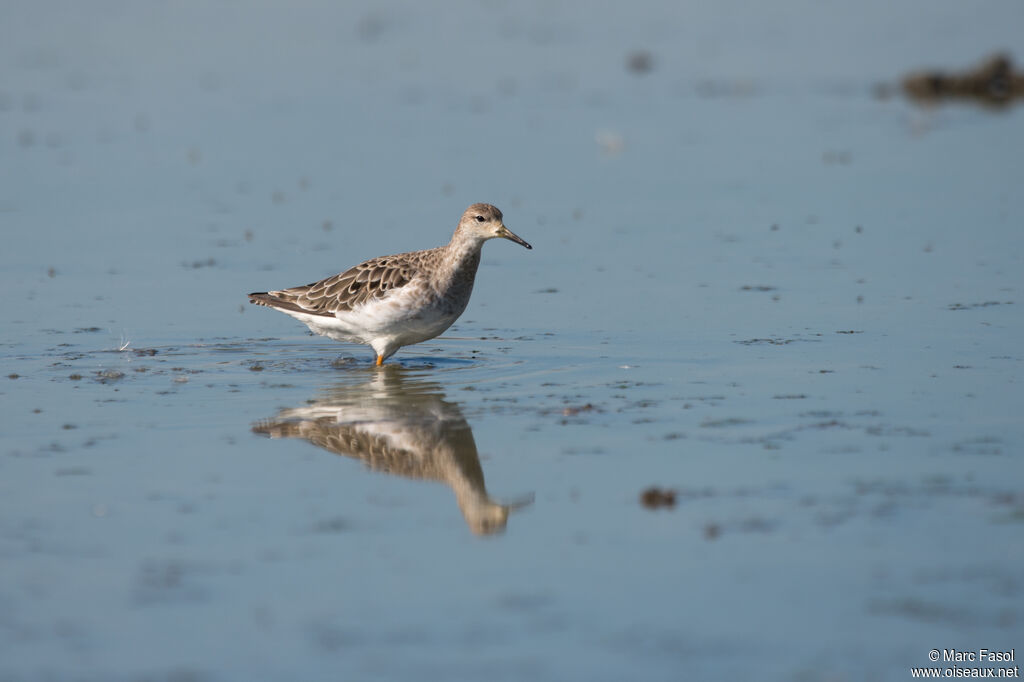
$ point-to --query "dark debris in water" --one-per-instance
(754, 524)
(973, 306)
(724, 422)
(107, 376)
(766, 342)
(658, 498)
(574, 410)
(994, 82)
(888, 430)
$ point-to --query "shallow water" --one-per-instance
(755, 283)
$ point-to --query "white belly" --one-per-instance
(385, 324)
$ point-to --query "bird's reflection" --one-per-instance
(399, 425)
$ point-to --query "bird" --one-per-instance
(395, 301)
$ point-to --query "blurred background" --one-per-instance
(770, 278)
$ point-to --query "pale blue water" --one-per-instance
(753, 282)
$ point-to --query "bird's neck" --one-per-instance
(461, 259)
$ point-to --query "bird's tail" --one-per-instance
(262, 298)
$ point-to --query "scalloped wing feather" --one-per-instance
(360, 284)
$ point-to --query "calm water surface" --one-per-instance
(755, 283)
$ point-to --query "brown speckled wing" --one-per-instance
(364, 282)
(373, 449)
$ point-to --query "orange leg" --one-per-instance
(380, 360)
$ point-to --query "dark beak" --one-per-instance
(513, 237)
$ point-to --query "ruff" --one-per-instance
(399, 300)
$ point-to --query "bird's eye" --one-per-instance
(479, 218)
